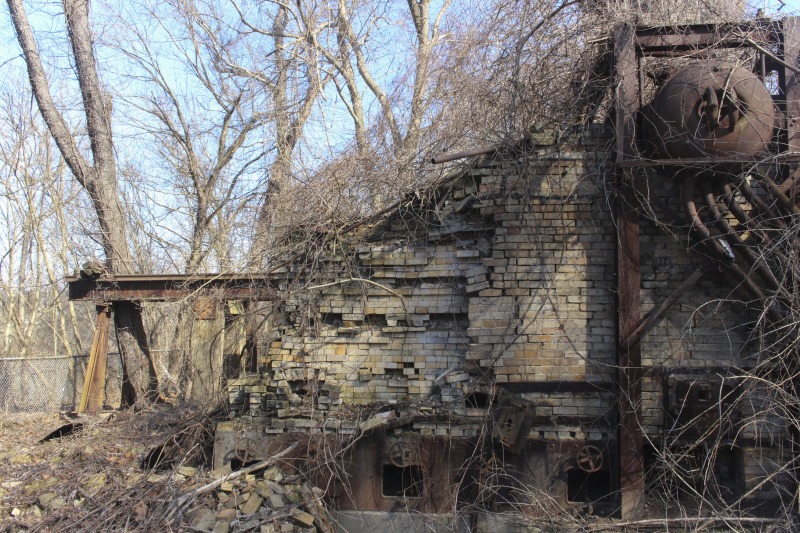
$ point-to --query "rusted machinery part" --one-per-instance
(716, 251)
(696, 223)
(734, 239)
(744, 217)
(589, 459)
(783, 200)
(710, 109)
(760, 205)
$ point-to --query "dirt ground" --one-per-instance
(94, 480)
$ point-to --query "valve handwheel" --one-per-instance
(401, 454)
(590, 459)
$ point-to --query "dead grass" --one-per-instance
(92, 480)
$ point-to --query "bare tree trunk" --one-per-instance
(99, 179)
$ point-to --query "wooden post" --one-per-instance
(95, 378)
(629, 359)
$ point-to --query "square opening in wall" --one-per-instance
(402, 481)
(587, 487)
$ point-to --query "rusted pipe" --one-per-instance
(696, 224)
(761, 205)
(716, 249)
(466, 153)
(652, 318)
(743, 216)
(735, 240)
(784, 200)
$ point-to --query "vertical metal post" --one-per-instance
(629, 358)
(95, 378)
(790, 81)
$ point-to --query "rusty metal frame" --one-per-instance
(629, 358)
(630, 45)
(171, 287)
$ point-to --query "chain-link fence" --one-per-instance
(49, 384)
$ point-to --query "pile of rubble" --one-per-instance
(268, 502)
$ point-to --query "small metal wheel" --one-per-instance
(590, 459)
(245, 450)
(401, 454)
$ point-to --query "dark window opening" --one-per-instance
(477, 400)
(685, 472)
(378, 321)
(332, 319)
(585, 487)
(393, 372)
(238, 462)
(402, 481)
(231, 364)
(704, 393)
(448, 321)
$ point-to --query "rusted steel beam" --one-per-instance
(170, 287)
(652, 318)
(95, 378)
(629, 359)
(689, 161)
(790, 82)
(692, 37)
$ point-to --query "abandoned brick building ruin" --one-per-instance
(564, 326)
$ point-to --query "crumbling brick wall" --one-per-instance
(502, 276)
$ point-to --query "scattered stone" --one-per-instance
(16, 513)
(204, 519)
(252, 505)
(21, 459)
(46, 498)
(303, 517)
(263, 490)
(249, 524)
(276, 502)
(294, 496)
(227, 515)
(188, 471)
(287, 528)
(237, 501)
(51, 500)
(226, 487)
(274, 487)
(273, 474)
(96, 482)
(221, 527)
(267, 528)
(39, 485)
(222, 497)
(372, 423)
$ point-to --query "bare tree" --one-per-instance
(205, 135)
(97, 177)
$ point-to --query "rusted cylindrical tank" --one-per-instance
(710, 109)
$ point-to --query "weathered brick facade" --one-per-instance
(503, 277)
